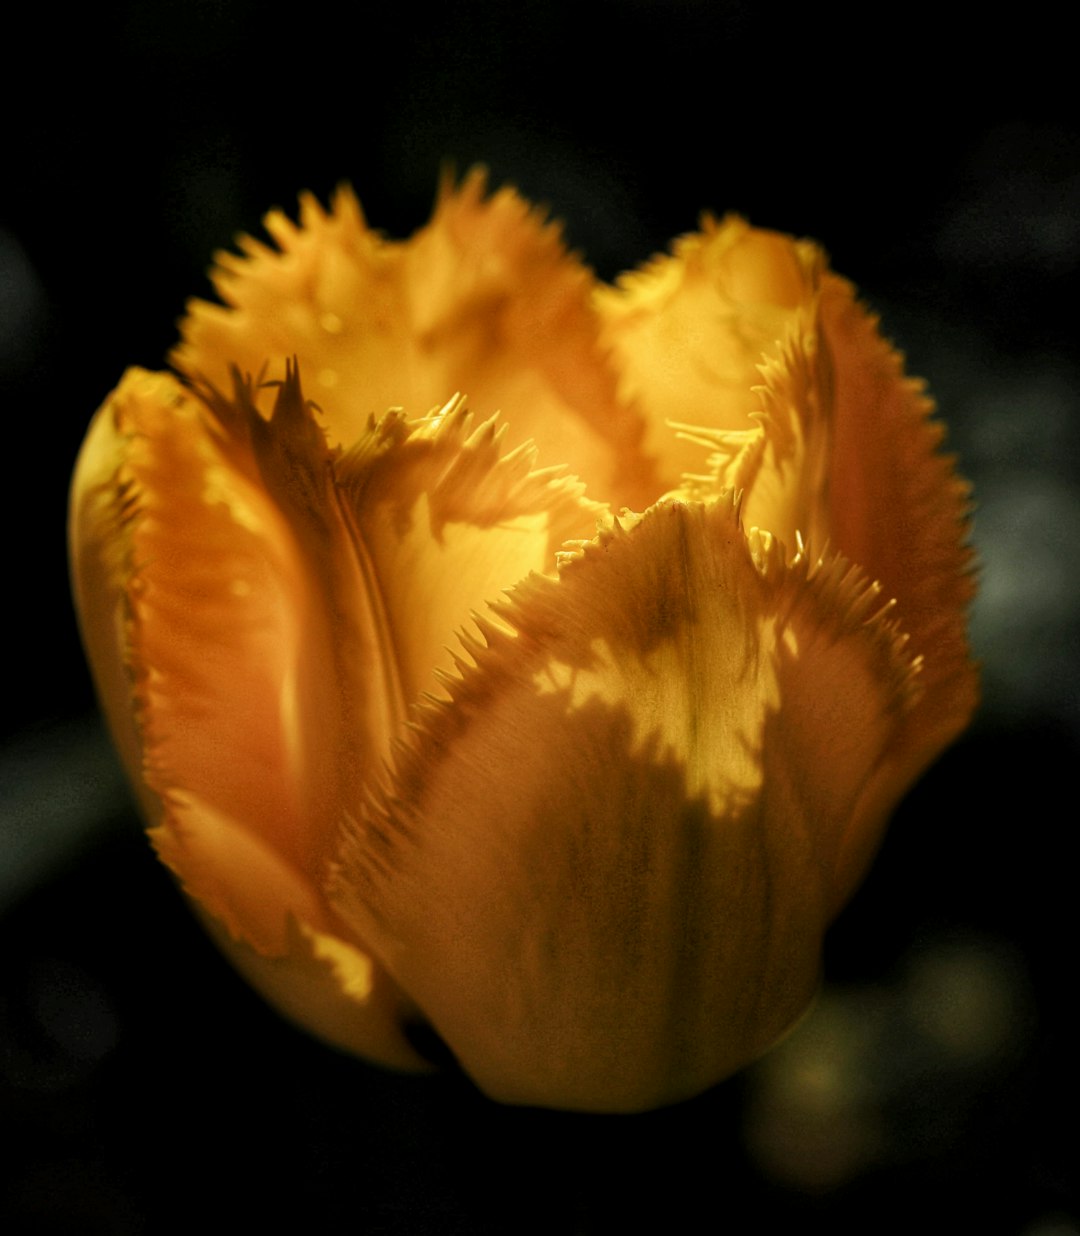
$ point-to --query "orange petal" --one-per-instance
(840, 451)
(897, 507)
(202, 621)
(246, 612)
(485, 299)
(583, 874)
(326, 984)
(688, 331)
(275, 927)
(100, 529)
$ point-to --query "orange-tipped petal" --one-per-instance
(484, 299)
(605, 865)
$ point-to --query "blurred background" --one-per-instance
(936, 1083)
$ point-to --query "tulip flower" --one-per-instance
(554, 720)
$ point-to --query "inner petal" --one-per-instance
(781, 466)
(485, 299)
(448, 520)
(689, 330)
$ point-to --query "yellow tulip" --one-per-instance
(437, 739)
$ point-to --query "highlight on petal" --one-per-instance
(688, 331)
(604, 866)
(447, 520)
(326, 984)
(484, 299)
(99, 541)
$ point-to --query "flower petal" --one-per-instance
(447, 520)
(581, 873)
(688, 330)
(197, 603)
(331, 988)
(898, 508)
(781, 466)
(276, 928)
(244, 615)
(484, 299)
(832, 446)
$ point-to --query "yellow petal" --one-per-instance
(484, 299)
(689, 330)
(205, 619)
(582, 873)
(782, 465)
(447, 520)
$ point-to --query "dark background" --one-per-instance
(142, 1087)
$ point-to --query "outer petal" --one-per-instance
(898, 508)
(831, 445)
(484, 299)
(582, 874)
(195, 604)
(846, 455)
